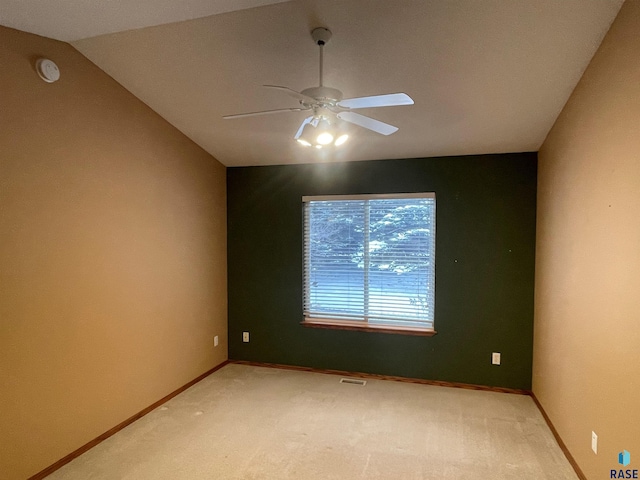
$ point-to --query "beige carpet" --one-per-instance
(247, 422)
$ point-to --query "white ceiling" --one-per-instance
(487, 76)
(70, 20)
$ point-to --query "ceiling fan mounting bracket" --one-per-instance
(321, 35)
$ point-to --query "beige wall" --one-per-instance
(587, 306)
(112, 256)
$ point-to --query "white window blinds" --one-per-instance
(370, 259)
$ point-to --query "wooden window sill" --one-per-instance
(367, 327)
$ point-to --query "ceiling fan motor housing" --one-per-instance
(325, 96)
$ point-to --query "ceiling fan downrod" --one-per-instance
(321, 36)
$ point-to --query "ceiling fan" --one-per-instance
(326, 104)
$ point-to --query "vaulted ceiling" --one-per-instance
(486, 76)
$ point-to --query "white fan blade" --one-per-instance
(389, 100)
(368, 122)
(304, 122)
(264, 112)
(293, 93)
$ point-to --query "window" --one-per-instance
(369, 261)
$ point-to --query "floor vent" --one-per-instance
(352, 381)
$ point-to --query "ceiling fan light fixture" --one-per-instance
(307, 135)
(341, 139)
(324, 138)
(325, 132)
(320, 132)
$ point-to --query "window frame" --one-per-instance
(364, 325)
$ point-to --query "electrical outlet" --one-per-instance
(245, 337)
(215, 341)
(594, 442)
(495, 358)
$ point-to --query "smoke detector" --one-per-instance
(47, 70)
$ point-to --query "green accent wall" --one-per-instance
(485, 247)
